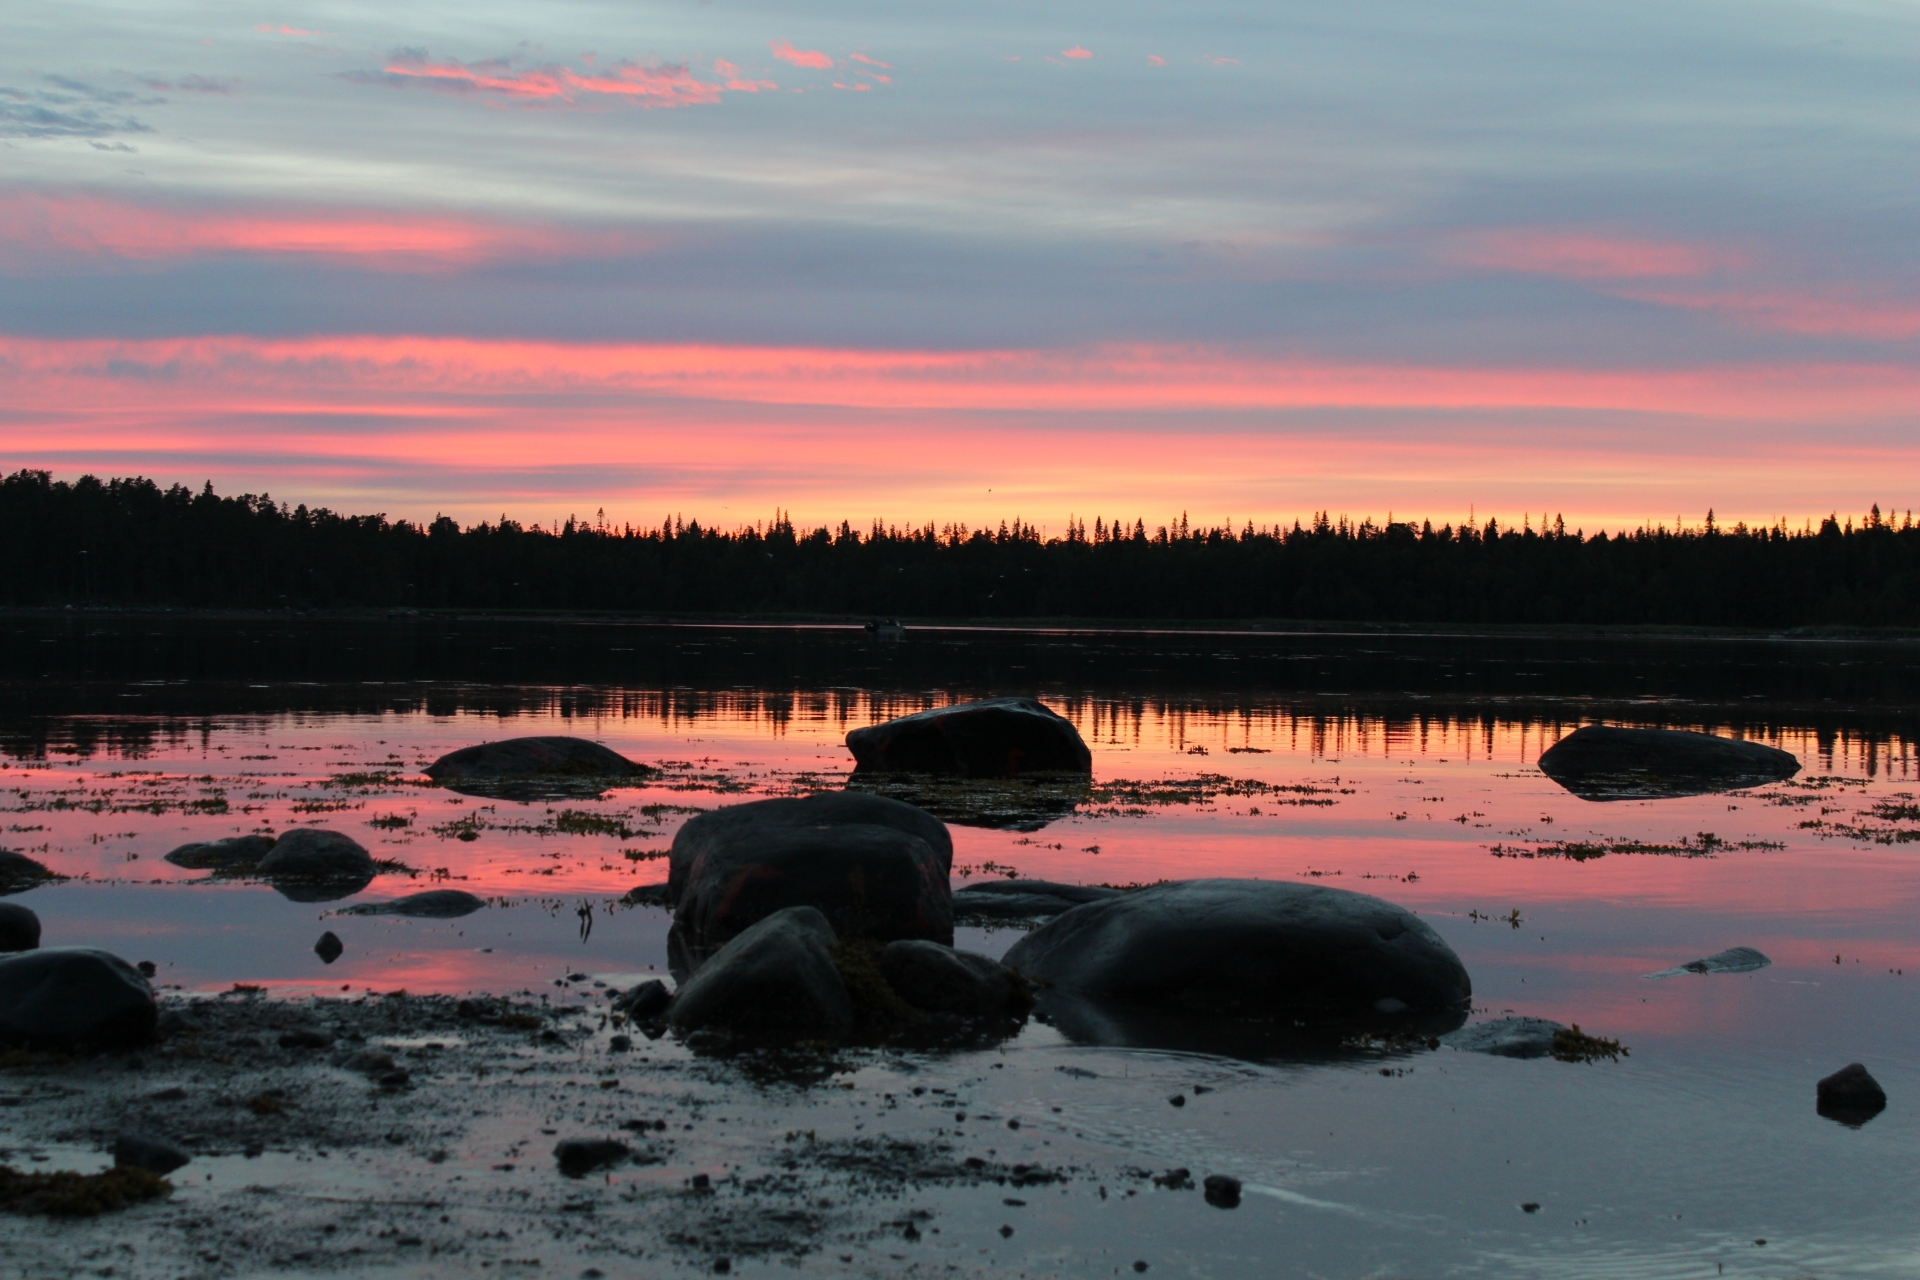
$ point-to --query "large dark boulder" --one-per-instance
(18, 872)
(309, 864)
(1850, 1096)
(74, 998)
(1248, 949)
(19, 928)
(534, 768)
(720, 827)
(233, 855)
(1601, 762)
(777, 980)
(869, 881)
(937, 979)
(995, 738)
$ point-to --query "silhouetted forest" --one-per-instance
(130, 542)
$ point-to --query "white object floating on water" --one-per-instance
(1732, 960)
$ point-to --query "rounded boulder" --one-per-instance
(777, 980)
(1248, 948)
(1602, 762)
(533, 758)
(309, 864)
(19, 928)
(993, 738)
(73, 998)
(719, 828)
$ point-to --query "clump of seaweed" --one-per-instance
(78, 1195)
(877, 1008)
(1571, 1044)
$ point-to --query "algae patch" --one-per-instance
(78, 1195)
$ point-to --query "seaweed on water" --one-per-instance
(1571, 1044)
(78, 1195)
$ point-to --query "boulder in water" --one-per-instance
(233, 855)
(937, 979)
(777, 980)
(581, 1156)
(719, 827)
(1506, 1038)
(1248, 949)
(534, 768)
(19, 928)
(1601, 762)
(434, 904)
(1850, 1096)
(142, 1151)
(18, 872)
(308, 864)
(994, 738)
(1732, 960)
(73, 998)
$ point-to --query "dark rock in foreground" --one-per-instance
(994, 738)
(532, 768)
(776, 980)
(1024, 899)
(1850, 1096)
(581, 1156)
(19, 928)
(646, 1002)
(938, 979)
(1222, 1192)
(1506, 1038)
(140, 1151)
(1732, 960)
(329, 948)
(1248, 949)
(434, 904)
(235, 854)
(1600, 762)
(72, 998)
(309, 864)
(881, 880)
(18, 872)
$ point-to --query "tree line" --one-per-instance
(131, 542)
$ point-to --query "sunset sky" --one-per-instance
(1623, 260)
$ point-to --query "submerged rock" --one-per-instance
(309, 864)
(329, 948)
(18, 872)
(776, 980)
(994, 738)
(1732, 960)
(1507, 1038)
(882, 879)
(235, 854)
(937, 979)
(581, 1156)
(533, 768)
(1026, 803)
(19, 928)
(74, 997)
(1601, 762)
(1248, 948)
(1850, 1096)
(1024, 899)
(1222, 1191)
(434, 904)
(141, 1151)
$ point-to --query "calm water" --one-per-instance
(1402, 766)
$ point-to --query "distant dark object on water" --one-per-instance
(1601, 762)
(1222, 1192)
(141, 1151)
(19, 928)
(1506, 1038)
(329, 948)
(1850, 1096)
(1732, 960)
(995, 738)
(434, 904)
(885, 628)
(581, 1156)
(534, 768)
(18, 873)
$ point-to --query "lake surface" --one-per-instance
(1397, 765)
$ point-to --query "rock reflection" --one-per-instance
(1004, 804)
(1116, 1023)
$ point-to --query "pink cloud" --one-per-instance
(854, 88)
(872, 62)
(734, 81)
(1076, 53)
(661, 85)
(276, 30)
(36, 227)
(1584, 255)
(1224, 62)
(1840, 314)
(784, 50)
(1155, 60)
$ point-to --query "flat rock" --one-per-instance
(1024, 899)
(777, 980)
(581, 1156)
(1850, 1095)
(1601, 762)
(939, 979)
(534, 768)
(233, 855)
(434, 904)
(1506, 1038)
(718, 827)
(309, 864)
(18, 872)
(1732, 960)
(143, 1151)
(993, 738)
(74, 997)
(1248, 948)
(19, 928)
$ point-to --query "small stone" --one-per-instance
(1005, 1231)
(141, 1151)
(620, 1044)
(304, 1038)
(1178, 1100)
(174, 1094)
(1850, 1096)
(399, 1079)
(147, 968)
(329, 948)
(1530, 1207)
(1222, 1192)
(646, 1002)
(701, 1182)
(1140, 1264)
(581, 1156)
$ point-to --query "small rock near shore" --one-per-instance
(19, 928)
(531, 758)
(1850, 1095)
(74, 997)
(1222, 1191)
(18, 872)
(233, 854)
(329, 948)
(141, 1151)
(1732, 960)
(777, 979)
(993, 738)
(434, 904)
(314, 854)
(581, 1156)
(646, 1002)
